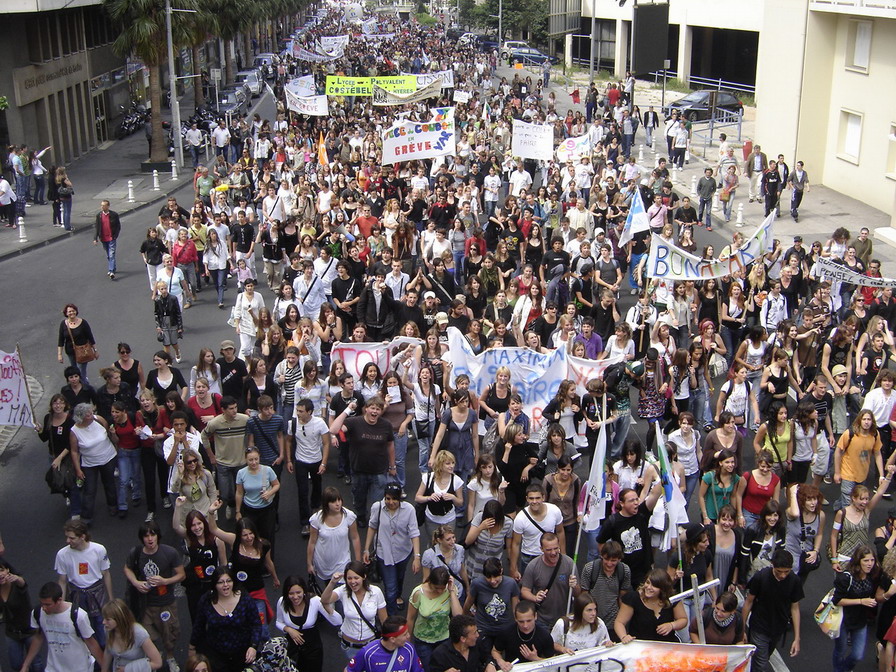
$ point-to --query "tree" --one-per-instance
(142, 32)
(202, 24)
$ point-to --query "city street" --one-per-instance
(73, 270)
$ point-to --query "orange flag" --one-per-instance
(322, 151)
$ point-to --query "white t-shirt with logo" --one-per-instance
(67, 652)
(82, 568)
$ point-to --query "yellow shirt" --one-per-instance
(857, 455)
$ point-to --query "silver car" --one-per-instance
(252, 80)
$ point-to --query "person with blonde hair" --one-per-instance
(128, 645)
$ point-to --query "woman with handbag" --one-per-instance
(730, 182)
(363, 607)
(64, 192)
(297, 613)
(76, 340)
(55, 431)
(854, 593)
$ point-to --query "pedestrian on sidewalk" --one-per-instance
(771, 183)
(754, 167)
(108, 226)
(7, 203)
(706, 187)
(799, 182)
(64, 193)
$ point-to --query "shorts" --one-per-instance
(163, 627)
(820, 463)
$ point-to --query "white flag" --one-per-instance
(596, 497)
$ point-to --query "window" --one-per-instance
(891, 153)
(858, 46)
(850, 136)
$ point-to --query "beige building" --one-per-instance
(825, 93)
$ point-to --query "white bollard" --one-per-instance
(155, 181)
(640, 153)
(740, 214)
(22, 237)
(173, 169)
(693, 186)
(715, 202)
(208, 147)
(130, 191)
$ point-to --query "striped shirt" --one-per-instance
(606, 590)
(230, 439)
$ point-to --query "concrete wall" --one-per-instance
(734, 14)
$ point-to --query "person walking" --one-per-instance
(798, 180)
(108, 226)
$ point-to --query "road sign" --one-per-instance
(215, 74)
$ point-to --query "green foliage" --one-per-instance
(518, 15)
(425, 19)
(4, 103)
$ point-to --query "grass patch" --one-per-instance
(425, 19)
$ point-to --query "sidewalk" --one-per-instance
(822, 209)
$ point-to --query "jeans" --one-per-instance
(728, 205)
(18, 650)
(795, 199)
(678, 156)
(227, 483)
(620, 434)
(459, 267)
(153, 467)
(194, 152)
(700, 405)
(764, 644)
(690, 485)
(636, 259)
(40, 189)
(846, 488)
(401, 451)
(345, 467)
(393, 580)
(750, 518)
(424, 651)
(367, 488)
(627, 142)
(648, 131)
(424, 444)
(82, 367)
(218, 277)
(307, 472)
(704, 213)
(92, 477)
(189, 271)
(67, 213)
(110, 254)
(490, 207)
(849, 648)
(128, 474)
(731, 339)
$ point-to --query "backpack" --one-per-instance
(73, 614)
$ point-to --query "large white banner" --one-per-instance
(368, 26)
(302, 86)
(644, 656)
(313, 106)
(573, 149)
(406, 140)
(301, 53)
(444, 76)
(15, 406)
(672, 263)
(383, 97)
(333, 43)
(532, 141)
(831, 270)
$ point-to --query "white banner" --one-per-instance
(313, 106)
(358, 355)
(445, 76)
(381, 36)
(831, 270)
(368, 26)
(532, 141)
(573, 149)
(302, 86)
(353, 12)
(461, 97)
(301, 53)
(406, 140)
(641, 656)
(333, 43)
(383, 97)
(672, 263)
(15, 406)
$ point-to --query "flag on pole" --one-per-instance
(322, 151)
(596, 498)
(675, 504)
(637, 220)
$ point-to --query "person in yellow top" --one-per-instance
(776, 436)
(856, 448)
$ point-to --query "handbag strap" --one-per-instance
(532, 520)
(451, 571)
(553, 578)
(357, 606)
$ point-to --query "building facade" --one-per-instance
(63, 82)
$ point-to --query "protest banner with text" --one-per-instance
(532, 141)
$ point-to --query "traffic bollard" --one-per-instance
(155, 181)
(674, 173)
(22, 237)
(130, 191)
(208, 147)
(693, 186)
(740, 214)
(715, 202)
(173, 169)
(640, 153)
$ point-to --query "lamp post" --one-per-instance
(591, 56)
(172, 87)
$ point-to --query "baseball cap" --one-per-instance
(797, 239)
(429, 295)
(227, 345)
(441, 318)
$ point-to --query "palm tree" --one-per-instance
(142, 32)
(202, 24)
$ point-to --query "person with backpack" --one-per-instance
(737, 397)
(71, 644)
(606, 579)
(15, 612)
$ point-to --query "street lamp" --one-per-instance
(500, 17)
(172, 85)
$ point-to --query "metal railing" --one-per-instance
(707, 83)
(873, 6)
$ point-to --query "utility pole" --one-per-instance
(172, 87)
(500, 24)
(593, 30)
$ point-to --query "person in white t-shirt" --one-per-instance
(82, 569)
(71, 642)
(309, 462)
(533, 521)
(519, 179)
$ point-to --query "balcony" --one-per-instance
(885, 9)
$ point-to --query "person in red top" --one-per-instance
(872, 272)
(756, 488)
(366, 222)
(129, 470)
(186, 258)
(108, 226)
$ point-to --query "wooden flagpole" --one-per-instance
(27, 389)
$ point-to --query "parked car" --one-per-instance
(232, 101)
(696, 105)
(530, 55)
(454, 33)
(252, 79)
(265, 63)
(510, 45)
(488, 43)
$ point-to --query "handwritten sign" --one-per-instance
(831, 270)
(314, 106)
(406, 140)
(15, 407)
(532, 141)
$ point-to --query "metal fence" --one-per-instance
(707, 83)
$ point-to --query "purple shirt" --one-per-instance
(593, 346)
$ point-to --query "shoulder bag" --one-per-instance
(83, 353)
(374, 628)
(828, 615)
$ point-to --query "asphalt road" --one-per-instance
(74, 271)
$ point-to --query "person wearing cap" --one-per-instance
(396, 549)
(441, 324)
(392, 652)
(233, 370)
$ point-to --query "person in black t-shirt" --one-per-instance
(772, 604)
(630, 527)
(524, 640)
(233, 371)
(556, 255)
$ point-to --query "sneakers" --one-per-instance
(828, 480)
(151, 516)
(172, 665)
(177, 359)
(166, 502)
(122, 513)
